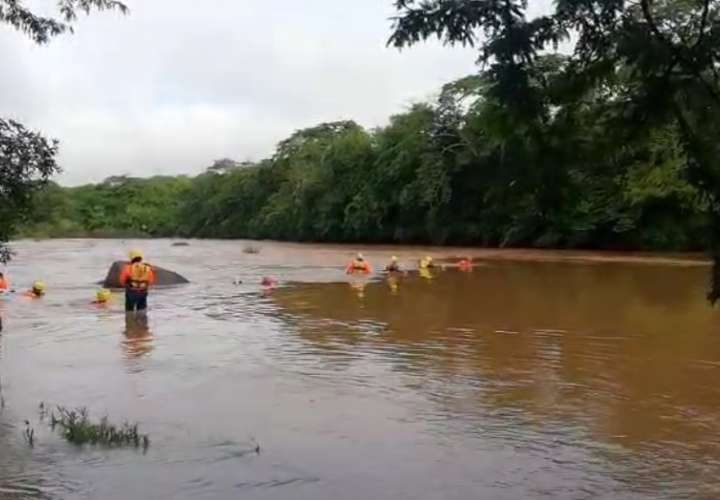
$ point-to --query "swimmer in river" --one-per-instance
(37, 291)
(102, 297)
(393, 266)
(269, 281)
(269, 284)
(465, 264)
(426, 263)
(358, 265)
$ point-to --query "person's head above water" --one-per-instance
(103, 295)
(136, 256)
(359, 256)
(38, 288)
(393, 258)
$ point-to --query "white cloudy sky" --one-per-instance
(175, 85)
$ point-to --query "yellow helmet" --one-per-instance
(134, 254)
(38, 286)
(103, 295)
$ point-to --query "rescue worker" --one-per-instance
(269, 284)
(102, 297)
(426, 262)
(465, 264)
(37, 291)
(269, 281)
(359, 265)
(4, 283)
(393, 266)
(136, 277)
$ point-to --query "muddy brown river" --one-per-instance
(537, 375)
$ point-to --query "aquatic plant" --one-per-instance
(77, 428)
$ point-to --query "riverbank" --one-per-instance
(380, 253)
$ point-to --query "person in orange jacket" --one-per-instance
(136, 277)
(358, 265)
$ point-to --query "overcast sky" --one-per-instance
(179, 83)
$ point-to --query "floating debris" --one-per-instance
(251, 249)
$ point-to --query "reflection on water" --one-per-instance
(609, 360)
(393, 283)
(138, 338)
(359, 289)
(519, 380)
(425, 273)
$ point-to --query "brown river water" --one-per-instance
(538, 375)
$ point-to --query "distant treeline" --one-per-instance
(459, 170)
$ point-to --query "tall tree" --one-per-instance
(27, 159)
(656, 63)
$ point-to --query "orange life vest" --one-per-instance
(139, 276)
(358, 266)
(4, 284)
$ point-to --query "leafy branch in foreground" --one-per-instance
(27, 159)
(40, 28)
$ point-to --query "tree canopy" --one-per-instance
(42, 29)
(459, 169)
(647, 66)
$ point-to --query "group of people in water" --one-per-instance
(35, 292)
(137, 276)
(359, 265)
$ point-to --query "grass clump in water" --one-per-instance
(251, 249)
(77, 428)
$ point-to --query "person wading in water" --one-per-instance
(136, 278)
(358, 266)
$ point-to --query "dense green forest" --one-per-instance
(459, 170)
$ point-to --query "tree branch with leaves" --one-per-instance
(27, 159)
(655, 61)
